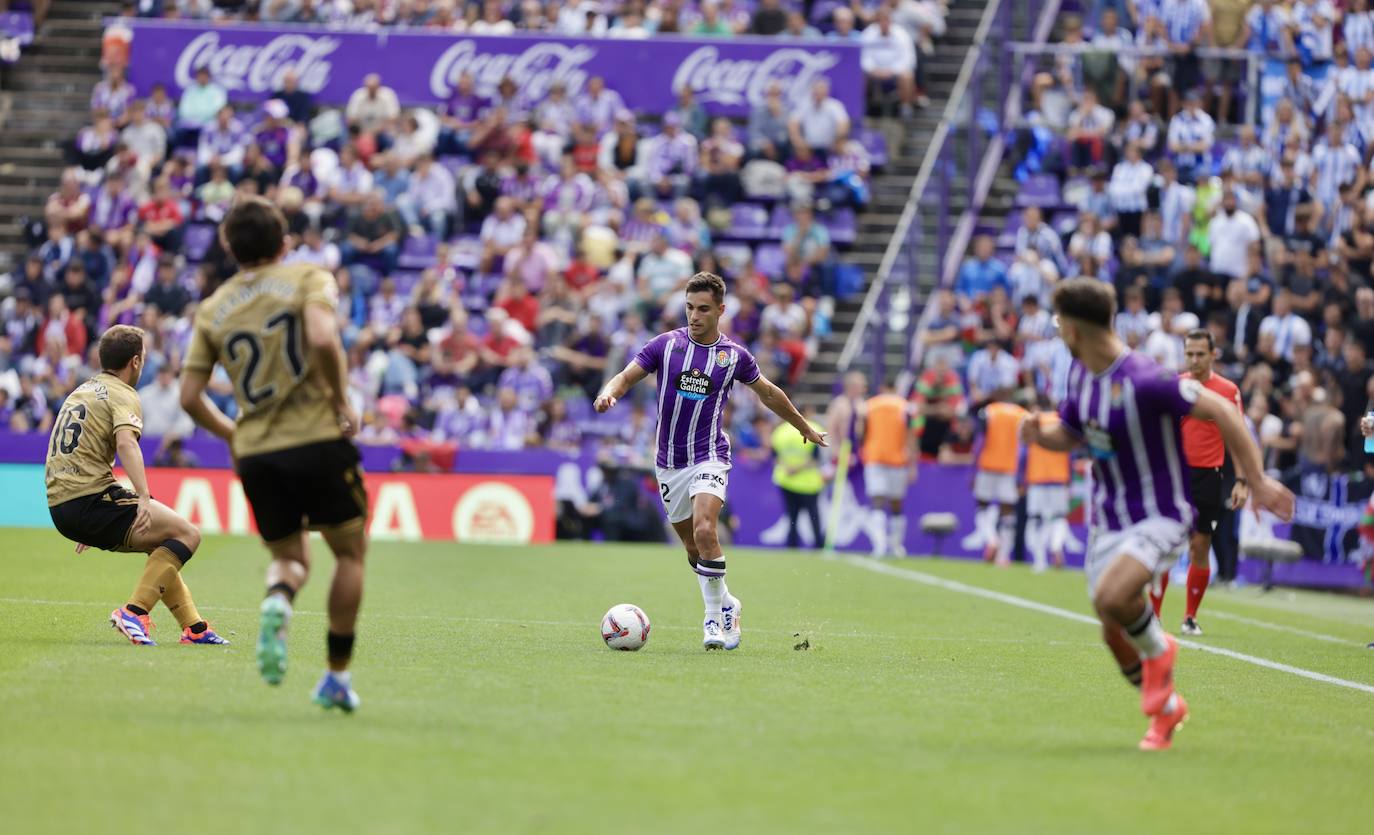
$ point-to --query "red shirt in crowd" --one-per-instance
(154, 211)
(524, 310)
(1202, 444)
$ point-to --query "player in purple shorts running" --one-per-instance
(1126, 410)
(696, 368)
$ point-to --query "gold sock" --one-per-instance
(177, 599)
(159, 571)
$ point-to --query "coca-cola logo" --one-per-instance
(258, 68)
(740, 82)
(533, 71)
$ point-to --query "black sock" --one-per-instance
(1133, 674)
(340, 647)
(284, 589)
(138, 610)
(198, 628)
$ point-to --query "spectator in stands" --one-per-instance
(671, 159)
(939, 398)
(373, 108)
(199, 106)
(349, 182)
(300, 105)
(373, 236)
(507, 427)
(1090, 239)
(113, 95)
(1231, 235)
(167, 296)
(493, 20)
(711, 24)
(431, 200)
(161, 218)
(61, 328)
(1140, 127)
(769, 18)
(1335, 162)
(808, 242)
(768, 131)
(721, 154)
(1089, 125)
(501, 232)
(990, 369)
(889, 62)
(1189, 26)
(980, 272)
(1287, 329)
(583, 356)
(818, 121)
(1035, 235)
(224, 141)
(1129, 187)
(96, 143)
(1191, 135)
(145, 138)
(629, 25)
(69, 205)
(1133, 320)
(663, 271)
(599, 105)
(691, 113)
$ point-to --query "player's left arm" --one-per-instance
(131, 459)
(1240, 488)
(1268, 493)
(780, 404)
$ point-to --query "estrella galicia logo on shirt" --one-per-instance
(693, 385)
(1099, 441)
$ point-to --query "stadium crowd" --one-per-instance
(494, 255)
(1139, 169)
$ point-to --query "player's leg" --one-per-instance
(1199, 575)
(1058, 536)
(286, 575)
(875, 487)
(896, 519)
(812, 504)
(349, 544)
(1156, 592)
(1127, 658)
(170, 541)
(1006, 533)
(793, 505)
(1037, 539)
(1119, 598)
(710, 568)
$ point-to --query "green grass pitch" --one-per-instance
(491, 705)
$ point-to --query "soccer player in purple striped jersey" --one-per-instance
(1126, 410)
(697, 366)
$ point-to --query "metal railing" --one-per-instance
(947, 171)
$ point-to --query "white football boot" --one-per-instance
(729, 616)
(712, 636)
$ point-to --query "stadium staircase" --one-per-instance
(44, 100)
(891, 188)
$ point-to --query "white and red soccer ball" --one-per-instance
(625, 627)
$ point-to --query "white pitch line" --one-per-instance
(1293, 630)
(1013, 600)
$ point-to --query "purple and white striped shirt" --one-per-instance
(1129, 417)
(694, 383)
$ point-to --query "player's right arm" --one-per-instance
(616, 387)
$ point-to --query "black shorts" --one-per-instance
(100, 520)
(1208, 487)
(313, 486)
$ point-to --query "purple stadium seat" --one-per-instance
(748, 222)
(1039, 190)
(821, 14)
(770, 260)
(1007, 236)
(417, 253)
(465, 252)
(876, 145)
(842, 226)
(199, 238)
(405, 281)
(778, 221)
(455, 164)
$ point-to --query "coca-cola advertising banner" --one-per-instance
(728, 76)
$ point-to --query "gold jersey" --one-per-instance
(254, 325)
(81, 450)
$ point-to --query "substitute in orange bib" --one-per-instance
(889, 459)
(1206, 455)
(994, 482)
(1047, 496)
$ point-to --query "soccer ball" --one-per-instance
(625, 627)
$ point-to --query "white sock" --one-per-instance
(985, 521)
(345, 678)
(1006, 532)
(712, 594)
(1035, 538)
(1059, 534)
(1147, 635)
(896, 531)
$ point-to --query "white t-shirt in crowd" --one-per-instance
(1231, 238)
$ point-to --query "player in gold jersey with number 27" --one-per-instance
(273, 329)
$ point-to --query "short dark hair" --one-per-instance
(708, 283)
(254, 231)
(118, 347)
(1088, 300)
(1202, 333)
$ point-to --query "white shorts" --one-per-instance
(884, 482)
(1154, 543)
(677, 486)
(996, 488)
(1047, 501)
